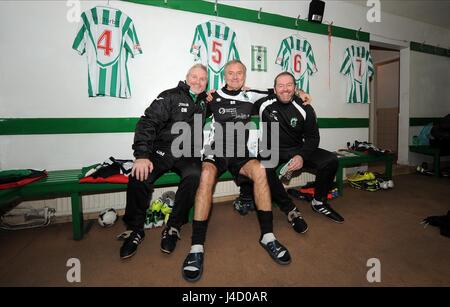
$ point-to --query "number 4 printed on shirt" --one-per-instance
(106, 37)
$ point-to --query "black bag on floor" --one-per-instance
(443, 222)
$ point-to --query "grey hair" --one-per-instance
(235, 62)
(198, 65)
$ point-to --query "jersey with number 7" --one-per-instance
(214, 45)
(358, 67)
(108, 38)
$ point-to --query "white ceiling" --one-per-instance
(434, 12)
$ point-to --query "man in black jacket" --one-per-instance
(298, 143)
(154, 157)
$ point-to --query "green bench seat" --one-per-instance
(64, 183)
(358, 159)
(436, 153)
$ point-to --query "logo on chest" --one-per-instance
(294, 121)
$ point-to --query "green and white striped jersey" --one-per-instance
(358, 67)
(296, 56)
(214, 45)
(108, 37)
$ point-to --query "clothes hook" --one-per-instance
(296, 21)
(357, 33)
(215, 8)
(259, 13)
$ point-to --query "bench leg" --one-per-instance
(388, 168)
(340, 180)
(77, 216)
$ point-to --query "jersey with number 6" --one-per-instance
(108, 38)
(214, 45)
(358, 67)
(296, 56)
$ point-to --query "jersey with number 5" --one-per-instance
(108, 38)
(296, 56)
(358, 67)
(214, 45)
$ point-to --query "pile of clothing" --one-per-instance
(369, 181)
(307, 192)
(367, 148)
(16, 178)
(110, 171)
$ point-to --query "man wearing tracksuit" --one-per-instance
(298, 142)
(152, 149)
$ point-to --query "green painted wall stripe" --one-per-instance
(238, 13)
(25, 126)
(419, 47)
(423, 121)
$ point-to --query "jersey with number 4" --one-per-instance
(358, 67)
(214, 45)
(296, 56)
(108, 38)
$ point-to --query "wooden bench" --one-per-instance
(436, 153)
(358, 159)
(65, 183)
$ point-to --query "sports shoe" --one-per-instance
(193, 267)
(391, 184)
(169, 238)
(361, 176)
(295, 218)
(326, 210)
(366, 185)
(277, 251)
(384, 184)
(243, 206)
(131, 243)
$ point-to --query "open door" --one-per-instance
(385, 86)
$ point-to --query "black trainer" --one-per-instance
(277, 251)
(193, 266)
(243, 206)
(326, 210)
(131, 243)
(295, 218)
(169, 238)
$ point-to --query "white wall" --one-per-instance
(41, 76)
(430, 93)
(51, 81)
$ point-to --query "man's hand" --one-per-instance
(305, 97)
(209, 96)
(296, 163)
(141, 169)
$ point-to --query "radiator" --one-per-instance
(98, 202)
